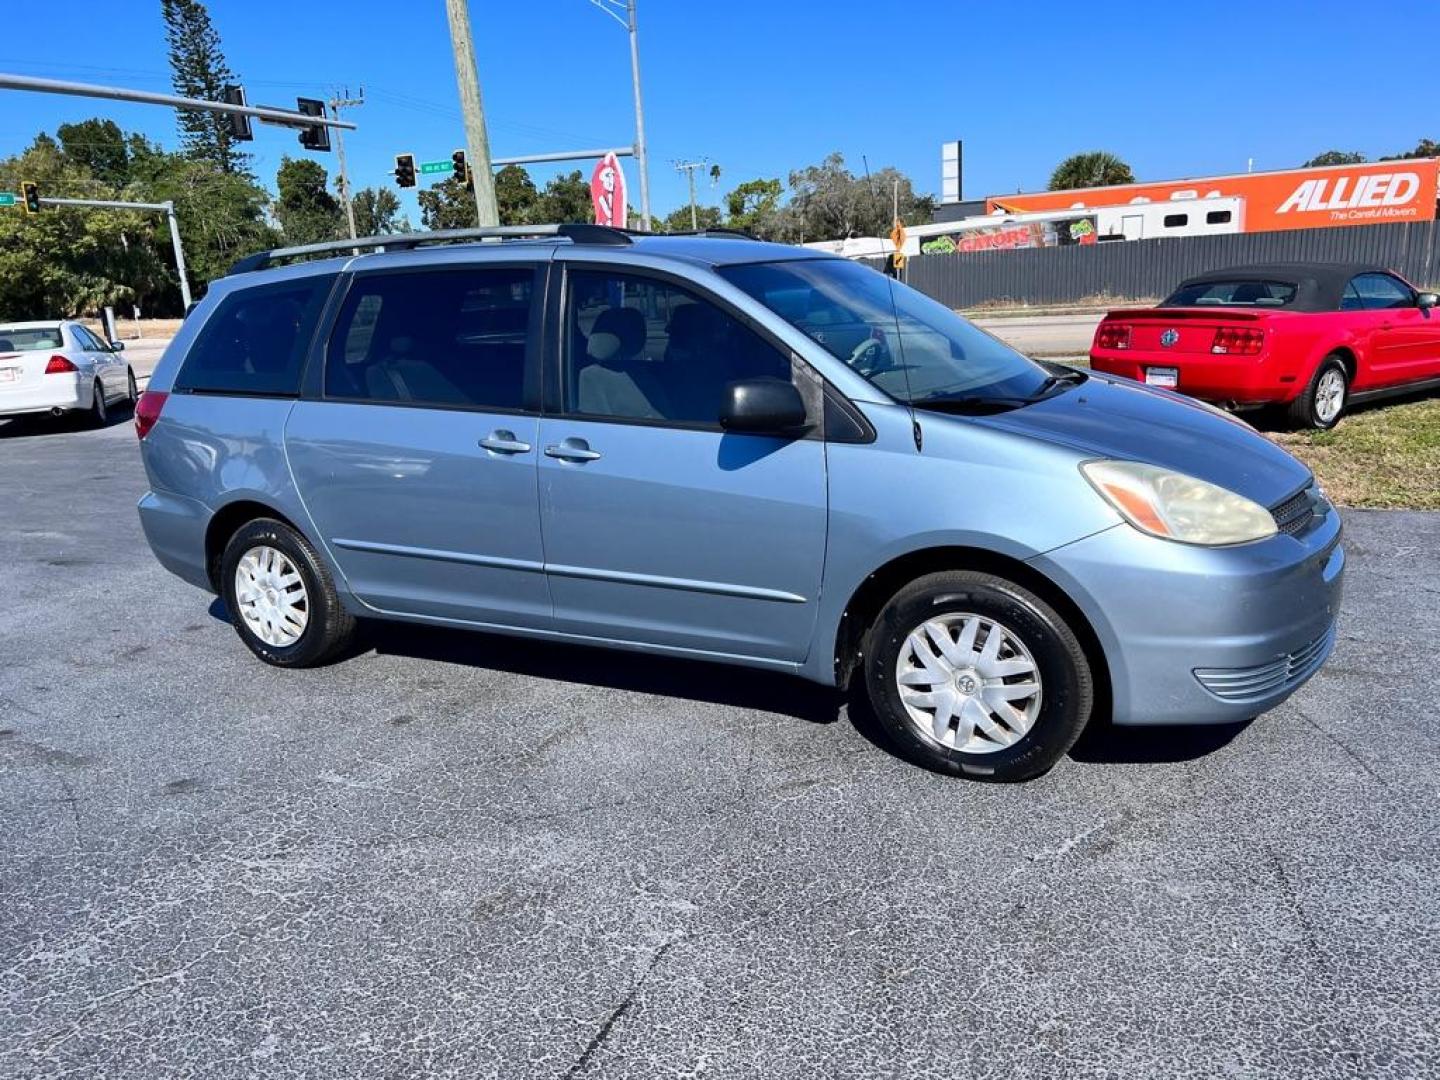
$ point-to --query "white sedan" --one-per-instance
(60, 367)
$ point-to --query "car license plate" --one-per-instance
(1162, 376)
(9, 374)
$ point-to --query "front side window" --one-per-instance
(255, 341)
(1239, 292)
(1351, 301)
(638, 348)
(449, 338)
(1379, 291)
(904, 343)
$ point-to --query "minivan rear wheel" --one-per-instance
(974, 675)
(281, 599)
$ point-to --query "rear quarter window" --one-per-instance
(255, 343)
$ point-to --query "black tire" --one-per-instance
(132, 391)
(99, 411)
(1066, 686)
(329, 628)
(1302, 411)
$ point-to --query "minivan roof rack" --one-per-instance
(575, 232)
(724, 234)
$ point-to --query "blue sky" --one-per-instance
(762, 88)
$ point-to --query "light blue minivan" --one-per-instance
(710, 447)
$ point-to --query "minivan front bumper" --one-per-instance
(1196, 635)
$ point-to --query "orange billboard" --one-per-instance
(1321, 197)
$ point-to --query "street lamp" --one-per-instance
(613, 8)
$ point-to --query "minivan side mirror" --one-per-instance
(1427, 300)
(763, 407)
(117, 346)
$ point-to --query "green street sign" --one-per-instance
(429, 167)
(7, 198)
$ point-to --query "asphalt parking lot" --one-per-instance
(460, 856)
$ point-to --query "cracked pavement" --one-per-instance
(463, 856)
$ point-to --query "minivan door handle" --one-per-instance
(571, 449)
(504, 442)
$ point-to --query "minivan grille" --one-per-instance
(1294, 515)
(1282, 673)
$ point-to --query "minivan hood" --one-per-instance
(1116, 418)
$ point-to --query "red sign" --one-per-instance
(607, 192)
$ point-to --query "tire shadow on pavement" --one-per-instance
(1105, 743)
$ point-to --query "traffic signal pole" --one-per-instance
(145, 97)
(167, 208)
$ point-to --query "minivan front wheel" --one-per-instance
(281, 600)
(974, 675)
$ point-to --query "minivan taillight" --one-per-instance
(147, 411)
(58, 365)
(1112, 336)
(1237, 341)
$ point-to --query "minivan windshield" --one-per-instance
(912, 348)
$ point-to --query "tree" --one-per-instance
(377, 212)
(565, 198)
(98, 145)
(198, 70)
(828, 202)
(1095, 168)
(1424, 148)
(754, 207)
(678, 220)
(69, 261)
(307, 212)
(516, 197)
(447, 205)
(1336, 157)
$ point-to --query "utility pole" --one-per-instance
(641, 156)
(336, 104)
(471, 104)
(688, 168)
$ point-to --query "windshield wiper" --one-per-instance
(1060, 378)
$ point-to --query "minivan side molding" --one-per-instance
(656, 581)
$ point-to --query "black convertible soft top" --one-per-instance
(1317, 285)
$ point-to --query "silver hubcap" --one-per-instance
(271, 596)
(1329, 395)
(968, 683)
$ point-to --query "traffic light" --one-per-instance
(31, 191)
(315, 136)
(238, 124)
(458, 160)
(405, 170)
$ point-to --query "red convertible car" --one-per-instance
(1314, 337)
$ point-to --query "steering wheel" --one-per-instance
(870, 357)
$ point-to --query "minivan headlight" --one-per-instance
(1178, 507)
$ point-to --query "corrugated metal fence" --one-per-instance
(1151, 268)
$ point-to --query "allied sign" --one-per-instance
(428, 168)
(607, 192)
(7, 198)
(1328, 196)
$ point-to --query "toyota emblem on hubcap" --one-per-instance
(1169, 337)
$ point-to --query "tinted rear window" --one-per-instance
(1242, 292)
(255, 342)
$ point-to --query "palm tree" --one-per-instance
(1096, 168)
